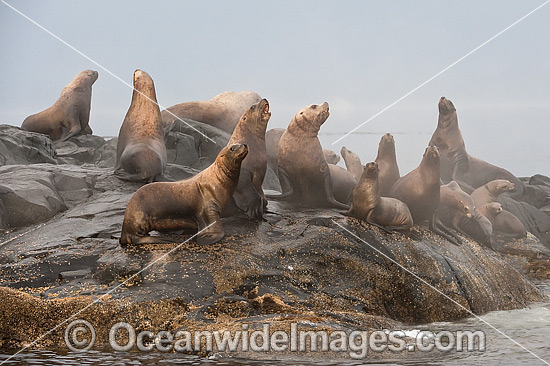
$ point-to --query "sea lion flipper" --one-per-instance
(247, 197)
(286, 186)
(73, 127)
(434, 223)
(214, 232)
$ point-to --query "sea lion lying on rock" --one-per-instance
(457, 210)
(70, 114)
(419, 190)
(250, 130)
(223, 111)
(192, 204)
(303, 171)
(141, 151)
(489, 192)
(384, 212)
(504, 223)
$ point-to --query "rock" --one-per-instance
(34, 193)
(207, 148)
(24, 147)
(180, 149)
(539, 180)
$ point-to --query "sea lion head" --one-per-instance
(86, 76)
(144, 85)
(349, 155)
(311, 118)
(447, 112)
(331, 157)
(231, 157)
(494, 208)
(258, 115)
(371, 171)
(431, 154)
(499, 186)
(467, 209)
(387, 144)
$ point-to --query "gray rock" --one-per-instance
(24, 147)
(180, 149)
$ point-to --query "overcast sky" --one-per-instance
(360, 56)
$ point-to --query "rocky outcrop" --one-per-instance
(24, 147)
(65, 219)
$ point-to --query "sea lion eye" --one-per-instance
(313, 106)
(253, 107)
(232, 148)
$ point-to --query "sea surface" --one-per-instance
(528, 327)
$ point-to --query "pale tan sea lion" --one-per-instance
(387, 163)
(141, 151)
(223, 111)
(303, 171)
(343, 183)
(251, 130)
(419, 190)
(489, 192)
(70, 114)
(385, 212)
(331, 157)
(272, 138)
(504, 222)
(458, 211)
(191, 204)
(353, 163)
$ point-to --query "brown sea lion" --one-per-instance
(456, 163)
(457, 210)
(490, 191)
(141, 151)
(250, 130)
(70, 114)
(303, 171)
(419, 190)
(353, 163)
(343, 183)
(504, 222)
(223, 111)
(384, 212)
(331, 157)
(387, 163)
(191, 204)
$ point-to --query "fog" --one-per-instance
(360, 56)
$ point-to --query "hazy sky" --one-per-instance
(360, 56)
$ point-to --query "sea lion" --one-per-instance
(250, 130)
(141, 151)
(223, 111)
(387, 163)
(456, 163)
(303, 171)
(504, 222)
(70, 114)
(353, 163)
(331, 157)
(457, 210)
(191, 204)
(343, 183)
(368, 205)
(419, 190)
(490, 191)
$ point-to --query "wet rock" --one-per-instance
(24, 147)
(181, 150)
